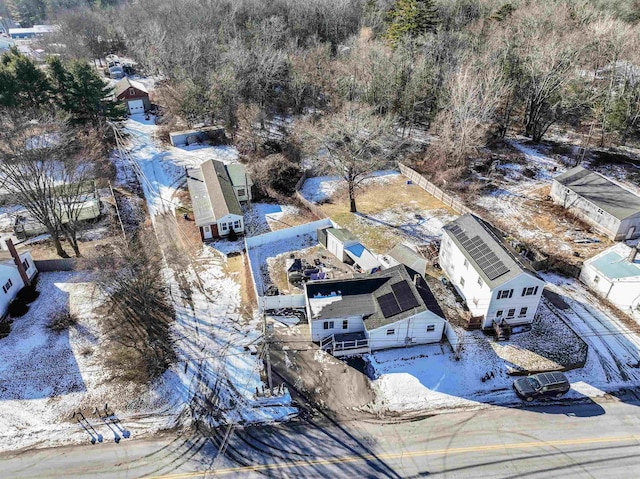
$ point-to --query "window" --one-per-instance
(462, 282)
(345, 324)
(505, 293)
(391, 332)
(523, 311)
(132, 91)
(511, 313)
(241, 192)
(207, 228)
(224, 226)
(25, 264)
(530, 291)
(480, 282)
(466, 263)
(431, 327)
(328, 325)
(236, 224)
(499, 313)
(7, 286)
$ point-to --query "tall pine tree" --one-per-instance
(411, 19)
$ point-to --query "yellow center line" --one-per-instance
(397, 455)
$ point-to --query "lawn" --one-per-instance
(390, 211)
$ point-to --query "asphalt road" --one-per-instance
(595, 439)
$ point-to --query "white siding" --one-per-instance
(452, 262)
(604, 222)
(318, 332)
(230, 219)
(416, 328)
(516, 302)
(624, 293)
(335, 247)
(9, 273)
(481, 300)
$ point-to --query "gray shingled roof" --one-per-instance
(342, 234)
(473, 226)
(212, 193)
(601, 191)
(358, 297)
(408, 257)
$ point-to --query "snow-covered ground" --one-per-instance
(46, 376)
(430, 377)
(213, 336)
(261, 218)
(321, 188)
(163, 167)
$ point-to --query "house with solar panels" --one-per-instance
(501, 290)
(387, 309)
(611, 209)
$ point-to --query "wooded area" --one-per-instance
(468, 72)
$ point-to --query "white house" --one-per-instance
(386, 309)
(347, 247)
(608, 207)
(11, 279)
(215, 199)
(615, 275)
(497, 285)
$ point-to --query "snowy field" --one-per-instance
(320, 188)
(46, 376)
(262, 218)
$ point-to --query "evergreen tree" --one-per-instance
(411, 18)
(31, 88)
(86, 93)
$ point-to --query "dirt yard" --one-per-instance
(389, 213)
(329, 383)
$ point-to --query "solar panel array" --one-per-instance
(388, 305)
(399, 301)
(486, 259)
(404, 295)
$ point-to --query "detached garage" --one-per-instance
(134, 94)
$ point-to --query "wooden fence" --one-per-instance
(454, 203)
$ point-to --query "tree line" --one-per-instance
(465, 72)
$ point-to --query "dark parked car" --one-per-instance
(541, 385)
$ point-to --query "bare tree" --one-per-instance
(357, 143)
(475, 94)
(43, 170)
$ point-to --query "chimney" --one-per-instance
(635, 250)
(18, 262)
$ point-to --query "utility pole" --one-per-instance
(115, 202)
(267, 355)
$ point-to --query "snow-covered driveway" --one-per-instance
(218, 374)
(614, 349)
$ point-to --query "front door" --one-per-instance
(206, 232)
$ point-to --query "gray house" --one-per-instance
(611, 209)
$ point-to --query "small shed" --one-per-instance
(347, 247)
(209, 134)
(403, 254)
